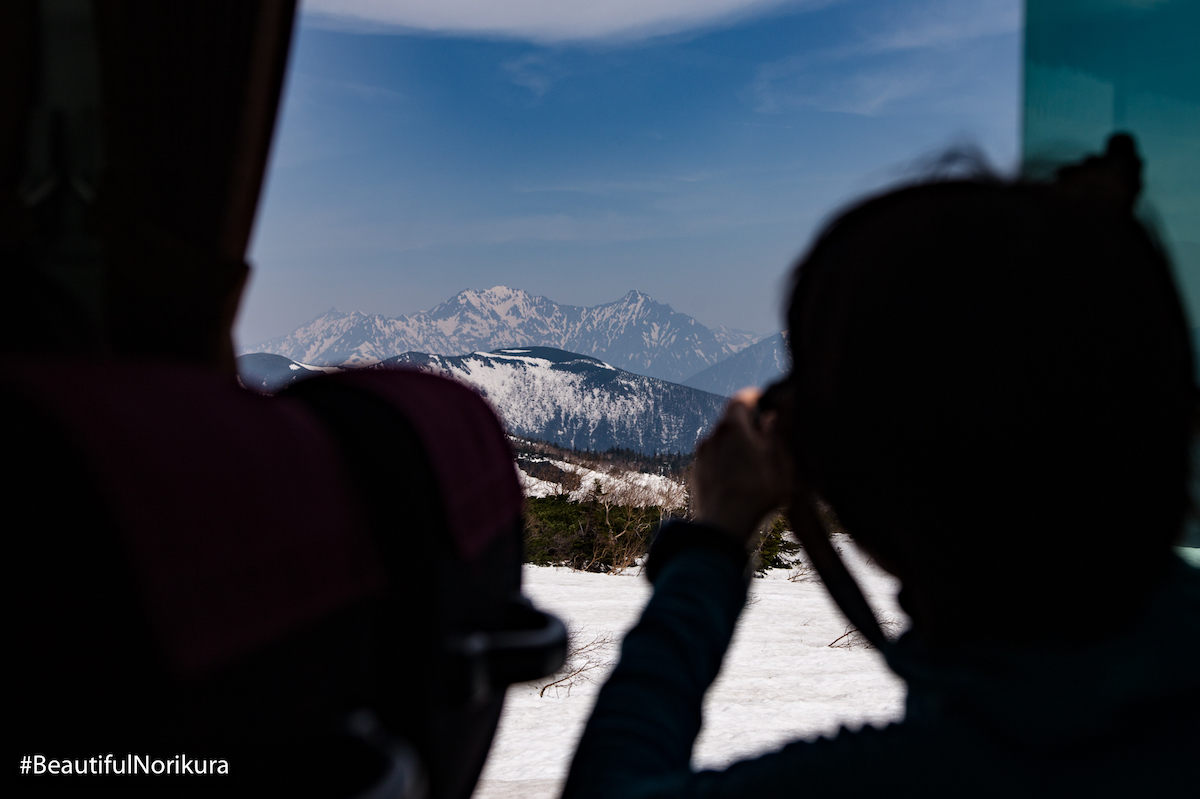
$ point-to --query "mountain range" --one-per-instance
(757, 365)
(579, 402)
(567, 399)
(634, 333)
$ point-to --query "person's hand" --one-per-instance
(742, 470)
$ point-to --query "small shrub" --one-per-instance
(854, 639)
(585, 655)
(776, 548)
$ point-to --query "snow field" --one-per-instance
(780, 681)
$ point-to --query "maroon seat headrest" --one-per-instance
(466, 447)
(235, 508)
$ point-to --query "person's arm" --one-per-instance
(638, 741)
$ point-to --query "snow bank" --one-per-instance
(534, 487)
(627, 488)
(623, 488)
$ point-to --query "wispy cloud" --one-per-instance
(939, 24)
(368, 92)
(801, 81)
(534, 71)
(895, 57)
(542, 20)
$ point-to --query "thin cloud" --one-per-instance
(541, 20)
(895, 58)
(534, 71)
(940, 24)
(368, 92)
(866, 90)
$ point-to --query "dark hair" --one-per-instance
(994, 390)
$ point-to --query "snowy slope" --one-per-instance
(622, 488)
(757, 365)
(635, 333)
(736, 340)
(579, 402)
(268, 373)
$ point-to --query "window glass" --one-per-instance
(1097, 66)
(1093, 67)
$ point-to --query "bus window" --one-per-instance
(1093, 67)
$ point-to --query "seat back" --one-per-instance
(208, 571)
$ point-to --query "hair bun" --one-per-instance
(1114, 178)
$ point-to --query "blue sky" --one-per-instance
(685, 148)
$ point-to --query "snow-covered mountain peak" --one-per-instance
(639, 299)
(635, 333)
(497, 297)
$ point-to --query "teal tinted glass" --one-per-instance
(1093, 67)
(1097, 66)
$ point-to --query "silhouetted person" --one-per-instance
(993, 388)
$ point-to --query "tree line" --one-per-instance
(610, 529)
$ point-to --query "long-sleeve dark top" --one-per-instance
(1121, 718)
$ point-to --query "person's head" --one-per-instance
(994, 390)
